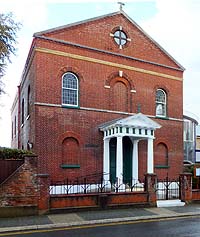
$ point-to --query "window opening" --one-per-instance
(120, 37)
(70, 89)
(160, 103)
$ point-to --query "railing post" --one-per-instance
(85, 186)
(167, 187)
(150, 181)
(67, 186)
(102, 184)
(44, 195)
(186, 187)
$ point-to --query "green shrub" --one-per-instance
(16, 154)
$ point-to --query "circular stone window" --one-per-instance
(120, 37)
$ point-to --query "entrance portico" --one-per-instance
(121, 138)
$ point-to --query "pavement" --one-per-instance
(68, 219)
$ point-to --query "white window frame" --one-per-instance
(163, 104)
(72, 89)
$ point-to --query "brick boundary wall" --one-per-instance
(8, 167)
(98, 200)
(19, 192)
(107, 200)
(196, 195)
(26, 192)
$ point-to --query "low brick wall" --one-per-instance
(7, 167)
(98, 200)
(196, 195)
(117, 199)
(70, 201)
(18, 211)
(26, 192)
(20, 190)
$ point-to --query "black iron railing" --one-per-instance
(167, 189)
(95, 184)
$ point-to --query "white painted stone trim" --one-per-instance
(135, 160)
(106, 159)
(119, 160)
(150, 166)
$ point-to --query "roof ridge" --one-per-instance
(76, 23)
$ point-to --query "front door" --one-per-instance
(127, 160)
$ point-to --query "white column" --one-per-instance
(119, 160)
(150, 169)
(135, 160)
(106, 158)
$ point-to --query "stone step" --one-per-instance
(170, 203)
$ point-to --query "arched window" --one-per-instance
(161, 155)
(28, 101)
(161, 103)
(70, 89)
(22, 115)
(120, 97)
(70, 151)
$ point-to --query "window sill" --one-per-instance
(64, 166)
(160, 117)
(70, 106)
(162, 166)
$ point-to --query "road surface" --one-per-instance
(180, 227)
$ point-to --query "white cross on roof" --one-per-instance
(121, 5)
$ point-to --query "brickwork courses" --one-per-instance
(89, 51)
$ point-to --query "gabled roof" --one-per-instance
(76, 23)
(105, 16)
(136, 121)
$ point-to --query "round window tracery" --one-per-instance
(120, 37)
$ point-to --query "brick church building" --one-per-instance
(100, 96)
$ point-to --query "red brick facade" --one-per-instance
(113, 83)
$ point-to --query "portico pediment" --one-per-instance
(138, 121)
(138, 126)
(135, 121)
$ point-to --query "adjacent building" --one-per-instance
(197, 148)
(189, 138)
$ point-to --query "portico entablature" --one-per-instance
(136, 126)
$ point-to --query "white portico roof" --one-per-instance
(135, 121)
(137, 126)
